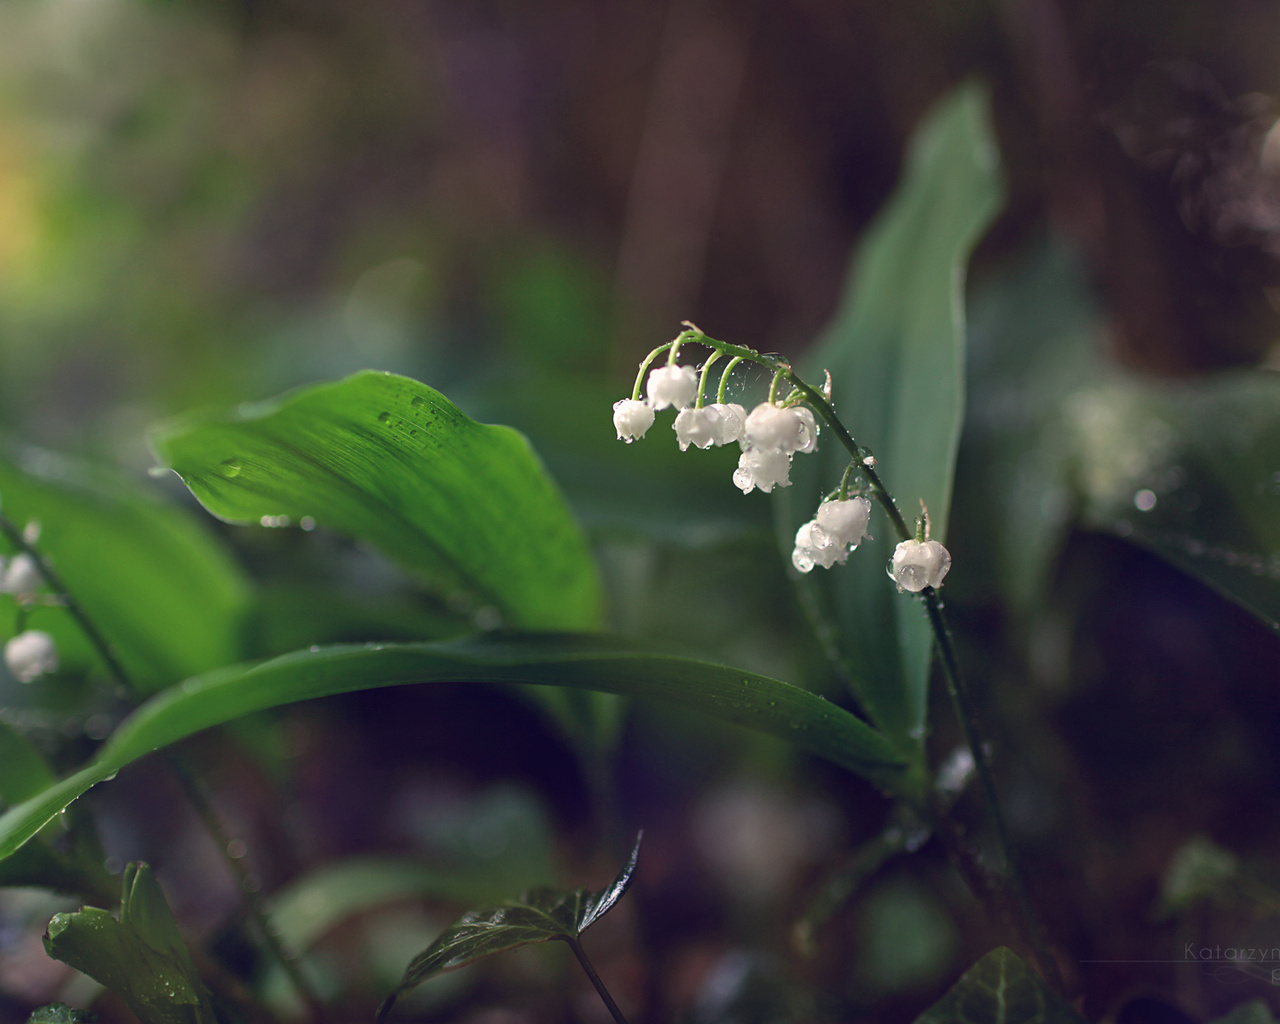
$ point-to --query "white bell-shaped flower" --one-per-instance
(733, 418)
(771, 427)
(631, 418)
(763, 469)
(814, 546)
(672, 385)
(21, 577)
(918, 564)
(30, 655)
(698, 427)
(845, 521)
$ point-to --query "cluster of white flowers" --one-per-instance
(828, 537)
(30, 655)
(769, 436)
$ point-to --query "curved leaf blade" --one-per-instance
(895, 351)
(539, 915)
(164, 593)
(466, 507)
(589, 662)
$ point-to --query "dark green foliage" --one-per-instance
(999, 989)
(539, 915)
(141, 957)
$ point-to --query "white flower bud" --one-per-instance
(672, 385)
(30, 655)
(21, 576)
(770, 427)
(733, 418)
(698, 427)
(631, 418)
(918, 564)
(845, 521)
(763, 469)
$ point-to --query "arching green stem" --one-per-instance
(702, 381)
(724, 378)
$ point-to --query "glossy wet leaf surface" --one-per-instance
(895, 351)
(539, 915)
(140, 957)
(999, 989)
(466, 507)
(595, 662)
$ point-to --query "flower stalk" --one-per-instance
(919, 565)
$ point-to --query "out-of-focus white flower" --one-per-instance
(772, 428)
(733, 418)
(763, 469)
(918, 564)
(845, 521)
(698, 427)
(30, 655)
(814, 546)
(672, 385)
(21, 576)
(631, 418)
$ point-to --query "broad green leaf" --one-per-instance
(895, 351)
(141, 957)
(1190, 471)
(539, 915)
(60, 1013)
(999, 989)
(593, 662)
(23, 772)
(1187, 468)
(466, 507)
(165, 595)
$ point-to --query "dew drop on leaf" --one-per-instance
(229, 467)
(384, 417)
(417, 401)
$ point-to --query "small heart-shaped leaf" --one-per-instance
(539, 915)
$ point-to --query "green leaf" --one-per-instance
(592, 662)
(61, 1013)
(539, 915)
(163, 592)
(141, 957)
(999, 989)
(1190, 471)
(23, 772)
(468, 508)
(895, 352)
